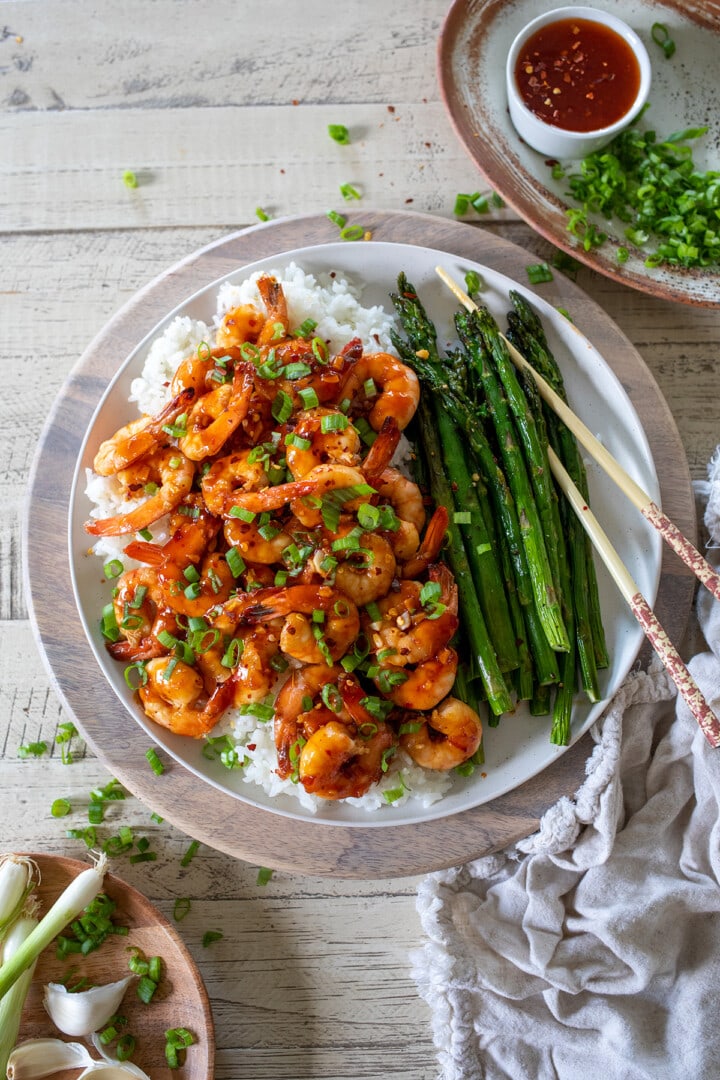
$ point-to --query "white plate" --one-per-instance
(519, 747)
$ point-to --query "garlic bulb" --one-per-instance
(86, 1011)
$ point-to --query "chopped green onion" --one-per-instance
(305, 328)
(281, 407)
(190, 853)
(264, 875)
(538, 273)
(113, 569)
(261, 214)
(395, 793)
(176, 1041)
(244, 515)
(352, 232)
(333, 422)
(154, 761)
(146, 988)
(291, 439)
(125, 1047)
(296, 370)
(210, 936)
(308, 397)
(661, 36)
(320, 350)
(258, 710)
(339, 133)
(60, 808)
(386, 755)
(337, 219)
(349, 192)
(130, 179)
(33, 749)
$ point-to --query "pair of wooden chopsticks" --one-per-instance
(640, 608)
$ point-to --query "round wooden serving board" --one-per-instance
(200, 810)
(180, 1000)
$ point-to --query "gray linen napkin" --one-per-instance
(593, 947)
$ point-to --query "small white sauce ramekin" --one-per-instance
(558, 142)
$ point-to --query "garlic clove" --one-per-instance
(109, 1070)
(86, 1011)
(36, 1058)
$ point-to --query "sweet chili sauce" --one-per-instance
(577, 74)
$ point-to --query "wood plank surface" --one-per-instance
(312, 978)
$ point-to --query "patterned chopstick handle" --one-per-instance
(680, 544)
(688, 688)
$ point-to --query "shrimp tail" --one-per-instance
(431, 544)
(381, 452)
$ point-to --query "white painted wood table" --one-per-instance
(221, 108)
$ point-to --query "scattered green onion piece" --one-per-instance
(244, 515)
(210, 936)
(125, 1047)
(113, 569)
(386, 755)
(462, 202)
(264, 875)
(261, 214)
(352, 232)
(33, 749)
(305, 328)
(333, 422)
(190, 853)
(319, 350)
(538, 273)
(60, 808)
(296, 370)
(410, 728)
(154, 761)
(281, 407)
(337, 219)
(349, 192)
(291, 439)
(339, 133)
(395, 793)
(661, 36)
(622, 254)
(130, 179)
(146, 989)
(258, 710)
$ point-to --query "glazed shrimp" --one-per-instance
(424, 686)
(139, 437)
(240, 324)
(141, 615)
(253, 673)
(448, 737)
(399, 389)
(174, 697)
(234, 473)
(252, 545)
(370, 576)
(430, 546)
(338, 763)
(403, 495)
(293, 708)
(277, 322)
(405, 628)
(193, 592)
(318, 482)
(217, 414)
(333, 627)
(173, 473)
(331, 438)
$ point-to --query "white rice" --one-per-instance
(335, 304)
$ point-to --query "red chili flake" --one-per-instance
(391, 108)
(251, 746)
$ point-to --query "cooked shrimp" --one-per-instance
(450, 735)
(331, 438)
(403, 495)
(404, 541)
(430, 546)
(193, 592)
(217, 414)
(398, 385)
(277, 323)
(240, 324)
(424, 686)
(139, 437)
(381, 452)
(367, 575)
(318, 483)
(174, 697)
(173, 473)
(252, 545)
(333, 627)
(338, 763)
(294, 702)
(141, 614)
(254, 675)
(405, 628)
(240, 471)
